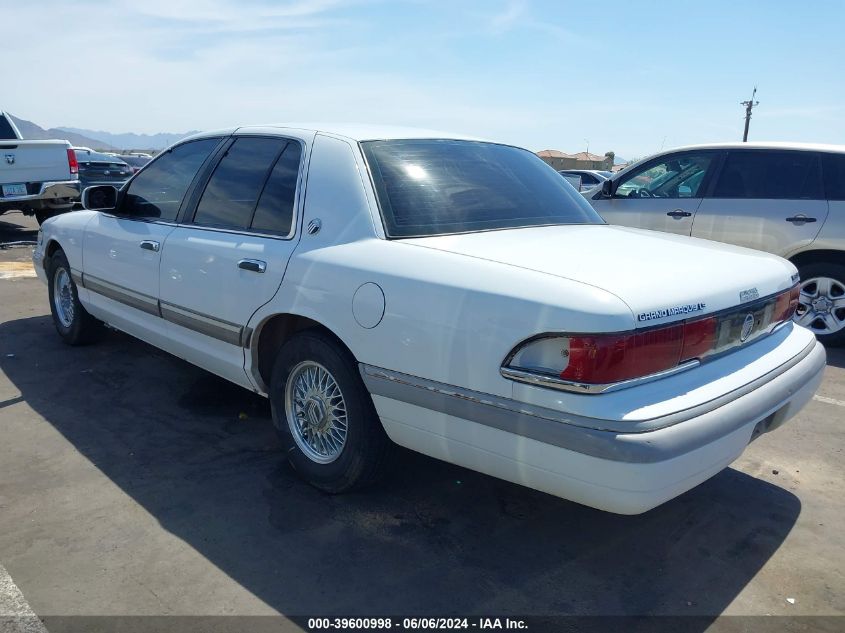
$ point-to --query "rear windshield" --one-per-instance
(435, 187)
(6, 130)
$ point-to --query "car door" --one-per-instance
(770, 200)
(122, 249)
(229, 255)
(662, 194)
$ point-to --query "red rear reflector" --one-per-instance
(72, 162)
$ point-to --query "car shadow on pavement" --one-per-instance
(836, 357)
(200, 455)
(11, 229)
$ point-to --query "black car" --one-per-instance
(100, 169)
(135, 162)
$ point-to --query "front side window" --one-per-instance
(773, 175)
(676, 177)
(157, 192)
(435, 187)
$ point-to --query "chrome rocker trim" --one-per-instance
(204, 324)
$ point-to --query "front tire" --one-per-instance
(324, 415)
(73, 323)
(821, 303)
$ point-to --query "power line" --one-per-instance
(748, 106)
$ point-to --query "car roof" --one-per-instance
(815, 147)
(806, 147)
(352, 131)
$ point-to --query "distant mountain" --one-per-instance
(618, 160)
(31, 131)
(130, 140)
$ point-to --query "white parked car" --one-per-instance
(783, 198)
(451, 295)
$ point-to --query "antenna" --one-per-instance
(748, 106)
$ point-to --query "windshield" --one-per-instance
(434, 187)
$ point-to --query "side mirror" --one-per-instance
(607, 189)
(100, 198)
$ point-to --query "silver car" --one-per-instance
(784, 198)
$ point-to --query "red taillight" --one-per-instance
(605, 359)
(72, 162)
(699, 338)
(785, 304)
(581, 360)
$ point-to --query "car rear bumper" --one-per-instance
(48, 191)
(627, 473)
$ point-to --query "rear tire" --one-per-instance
(73, 323)
(821, 304)
(325, 416)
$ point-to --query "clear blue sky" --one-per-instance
(626, 76)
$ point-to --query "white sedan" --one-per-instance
(450, 295)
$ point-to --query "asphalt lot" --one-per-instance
(132, 483)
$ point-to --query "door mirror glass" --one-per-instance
(607, 189)
(100, 198)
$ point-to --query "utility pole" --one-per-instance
(748, 106)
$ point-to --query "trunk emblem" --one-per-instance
(747, 326)
(10, 158)
(749, 295)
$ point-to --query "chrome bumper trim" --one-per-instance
(49, 191)
(541, 380)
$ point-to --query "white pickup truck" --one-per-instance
(39, 178)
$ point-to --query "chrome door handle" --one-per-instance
(678, 214)
(150, 245)
(800, 219)
(253, 265)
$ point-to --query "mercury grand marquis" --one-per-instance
(453, 296)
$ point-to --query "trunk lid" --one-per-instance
(662, 277)
(33, 161)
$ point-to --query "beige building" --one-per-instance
(581, 160)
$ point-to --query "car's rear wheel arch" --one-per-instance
(273, 332)
(818, 256)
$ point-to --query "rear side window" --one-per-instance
(274, 212)
(834, 176)
(232, 192)
(157, 192)
(772, 175)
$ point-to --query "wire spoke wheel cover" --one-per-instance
(821, 305)
(63, 297)
(316, 412)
